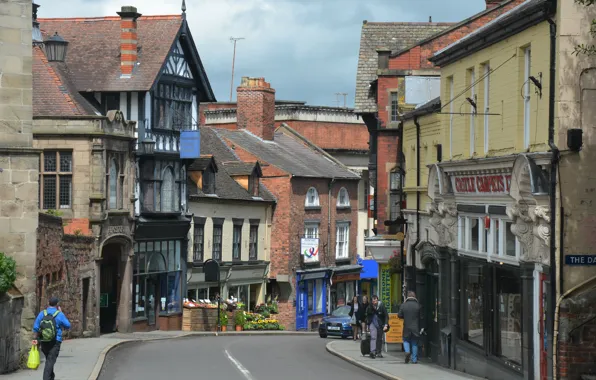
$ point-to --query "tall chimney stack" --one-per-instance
(256, 107)
(128, 39)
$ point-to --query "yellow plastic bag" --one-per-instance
(33, 361)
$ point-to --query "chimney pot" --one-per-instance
(256, 107)
(128, 39)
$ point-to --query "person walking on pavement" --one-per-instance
(48, 328)
(410, 312)
(356, 313)
(363, 323)
(377, 319)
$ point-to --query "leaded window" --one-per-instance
(161, 186)
(168, 190)
(173, 106)
(55, 180)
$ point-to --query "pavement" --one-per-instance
(82, 359)
(392, 366)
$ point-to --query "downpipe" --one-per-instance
(417, 124)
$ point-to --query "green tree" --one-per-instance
(589, 49)
(8, 272)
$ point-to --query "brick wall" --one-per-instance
(577, 337)
(327, 135)
(62, 263)
(386, 161)
(256, 107)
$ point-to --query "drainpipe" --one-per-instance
(329, 218)
(400, 148)
(417, 183)
(554, 266)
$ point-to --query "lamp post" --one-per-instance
(56, 48)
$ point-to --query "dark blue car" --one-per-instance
(336, 324)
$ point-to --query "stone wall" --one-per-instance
(11, 307)
(19, 163)
(66, 269)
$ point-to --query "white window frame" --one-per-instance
(527, 95)
(451, 117)
(312, 193)
(311, 230)
(346, 202)
(486, 104)
(487, 248)
(342, 253)
(472, 115)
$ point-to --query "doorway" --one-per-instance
(108, 297)
(302, 307)
(152, 297)
(431, 311)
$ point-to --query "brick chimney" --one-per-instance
(492, 3)
(128, 39)
(256, 107)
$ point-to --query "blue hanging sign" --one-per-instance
(582, 260)
(190, 144)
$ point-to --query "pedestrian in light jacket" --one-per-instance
(377, 320)
(410, 312)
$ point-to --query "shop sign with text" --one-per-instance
(482, 184)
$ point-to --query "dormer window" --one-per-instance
(343, 199)
(208, 181)
(253, 185)
(312, 198)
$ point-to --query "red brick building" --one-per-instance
(316, 198)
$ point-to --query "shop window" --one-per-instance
(312, 198)
(492, 238)
(319, 296)
(343, 199)
(509, 331)
(311, 230)
(310, 296)
(473, 304)
(342, 240)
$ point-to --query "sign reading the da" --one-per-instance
(309, 249)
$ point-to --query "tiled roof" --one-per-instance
(93, 54)
(239, 168)
(225, 186)
(290, 153)
(527, 7)
(202, 163)
(388, 35)
(54, 94)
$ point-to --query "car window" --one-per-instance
(342, 311)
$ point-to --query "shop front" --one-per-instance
(344, 285)
(311, 297)
(247, 284)
(159, 275)
(492, 256)
(368, 284)
(199, 289)
(382, 249)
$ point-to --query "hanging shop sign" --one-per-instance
(385, 295)
(396, 329)
(309, 249)
(482, 184)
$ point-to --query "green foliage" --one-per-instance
(54, 213)
(8, 272)
(587, 49)
(223, 318)
(240, 319)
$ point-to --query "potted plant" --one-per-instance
(223, 320)
(239, 320)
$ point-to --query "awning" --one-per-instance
(313, 276)
(370, 269)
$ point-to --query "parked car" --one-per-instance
(336, 324)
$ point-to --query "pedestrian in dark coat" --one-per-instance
(355, 314)
(377, 319)
(410, 312)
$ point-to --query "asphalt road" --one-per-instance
(230, 358)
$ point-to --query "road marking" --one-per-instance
(239, 365)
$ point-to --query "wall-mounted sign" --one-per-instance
(482, 184)
(385, 276)
(190, 144)
(309, 249)
(580, 260)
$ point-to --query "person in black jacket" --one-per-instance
(410, 312)
(377, 320)
(355, 308)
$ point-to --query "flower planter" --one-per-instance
(224, 328)
(238, 328)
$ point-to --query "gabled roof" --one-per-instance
(54, 95)
(525, 15)
(202, 163)
(387, 35)
(290, 152)
(235, 168)
(93, 55)
(226, 187)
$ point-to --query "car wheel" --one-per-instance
(323, 335)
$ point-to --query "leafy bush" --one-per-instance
(223, 318)
(240, 319)
(54, 212)
(8, 272)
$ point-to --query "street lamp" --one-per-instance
(56, 48)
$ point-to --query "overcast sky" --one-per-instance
(306, 49)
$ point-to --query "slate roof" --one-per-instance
(225, 186)
(55, 94)
(429, 107)
(93, 54)
(201, 163)
(389, 35)
(239, 168)
(290, 152)
(525, 8)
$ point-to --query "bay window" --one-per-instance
(491, 238)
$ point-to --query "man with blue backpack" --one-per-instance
(48, 328)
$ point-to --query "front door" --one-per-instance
(302, 307)
(431, 311)
(108, 299)
(151, 301)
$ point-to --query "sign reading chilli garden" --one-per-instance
(482, 184)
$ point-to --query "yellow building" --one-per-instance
(488, 196)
